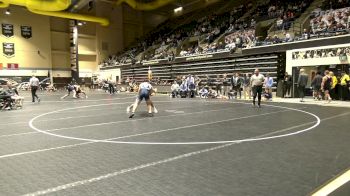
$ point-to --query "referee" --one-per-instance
(256, 82)
(34, 85)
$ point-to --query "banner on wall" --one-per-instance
(12, 66)
(7, 30)
(8, 49)
(316, 56)
(26, 31)
(320, 53)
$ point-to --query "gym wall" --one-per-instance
(30, 54)
(48, 48)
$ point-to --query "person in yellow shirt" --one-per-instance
(344, 83)
(334, 84)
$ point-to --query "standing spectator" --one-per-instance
(191, 85)
(334, 84)
(302, 82)
(256, 82)
(183, 90)
(219, 83)
(287, 83)
(268, 84)
(345, 84)
(226, 84)
(246, 86)
(110, 87)
(236, 83)
(34, 85)
(316, 86)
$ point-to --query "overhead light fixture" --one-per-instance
(179, 9)
(81, 23)
(8, 12)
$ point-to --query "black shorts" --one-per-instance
(317, 88)
(327, 88)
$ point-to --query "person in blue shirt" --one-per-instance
(203, 93)
(183, 89)
(268, 84)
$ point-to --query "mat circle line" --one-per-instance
(318, 121)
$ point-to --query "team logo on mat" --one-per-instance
(26, 31)
(7, 30)
(8, 49)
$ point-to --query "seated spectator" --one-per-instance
(306, 34)
(212, 94)
(279, 24)
(267, 96)
(252, 23)
(203, 93)
(268, 39)
(288, 37)
(330, 21)
(276, 39)
(175, 89)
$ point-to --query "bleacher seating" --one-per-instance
(223, 33)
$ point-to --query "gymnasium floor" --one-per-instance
(191, 147)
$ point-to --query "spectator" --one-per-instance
(306, 34)
(302, 82)
(183, 90)
(316, 86)
(236, 82)
(288, 37)
(345, 85)
(175, 89)
(203, 93)
(246, 86)
(268, 83)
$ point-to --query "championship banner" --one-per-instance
(7, 30)
(26, 31)
(8, 49)
(12, 65)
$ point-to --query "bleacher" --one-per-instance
(249, 55)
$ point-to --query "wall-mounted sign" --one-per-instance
(7, 30)
(12, 65)
(26, 31)
(8, 49)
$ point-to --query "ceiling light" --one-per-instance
(8, 12)
(179, 9)
(80, 23)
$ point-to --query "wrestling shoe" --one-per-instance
(132, 115)
(155, 110)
